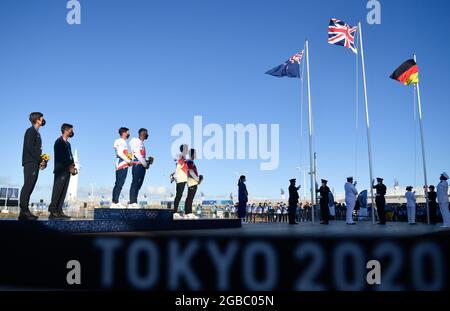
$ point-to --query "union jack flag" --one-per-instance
(340, 33)
(297, 57)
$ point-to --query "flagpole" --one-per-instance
(311, 157)
(369, 141)
(423, 147)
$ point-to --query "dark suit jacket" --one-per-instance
(432, 196)
(32, 147)
(381, 189)
(324, 190)
(243, 194)
(293, 195)
(63, 157)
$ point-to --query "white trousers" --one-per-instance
(411, 209)
(349, 213)
(445, 214)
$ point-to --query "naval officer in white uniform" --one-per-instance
(411, 205)
(350, 199)
(442, 196)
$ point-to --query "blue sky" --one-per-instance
(155, 64)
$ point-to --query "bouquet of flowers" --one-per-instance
(44, 159)
(130, 157)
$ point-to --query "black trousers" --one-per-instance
(291, 210)
(242, 209)
(381, 202)
(30, 174)
(121, 176)
(138, 172)
(324, 211)
(433, 215)
(190, 198)
(180, 189)
(60, 185)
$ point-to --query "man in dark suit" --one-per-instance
(64, 168)
(293, 201)
(32, 163)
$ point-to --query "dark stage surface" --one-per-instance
(255, 257)
(334, 230)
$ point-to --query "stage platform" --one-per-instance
(336, 230)
(123, 220)
(159, 222)
(335, 256)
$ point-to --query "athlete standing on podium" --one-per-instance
(122, 163)
(194, 179)
(64, 168)
(32, 163)
(140, 166)
(181, 175)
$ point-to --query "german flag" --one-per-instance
(407, 73)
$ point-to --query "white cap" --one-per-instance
(445, 175)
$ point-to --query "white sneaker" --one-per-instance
(116, 205)
(134, 205)
(190, 216)
(177, 216)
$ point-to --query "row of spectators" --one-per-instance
(268, 212)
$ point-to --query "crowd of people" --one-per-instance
(129, 156)
(269, 212)
(186, 174)
(278, 212)
(436, 209)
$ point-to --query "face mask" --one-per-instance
(146, 136)
(43, 122)
(128, 136)
(71, 134)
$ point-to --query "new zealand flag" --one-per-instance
(290, 69)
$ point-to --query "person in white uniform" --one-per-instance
(140, 166)
(123, 162)
(442, 196)
(411, 205)
(350, 199)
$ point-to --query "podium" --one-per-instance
(136, 220)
